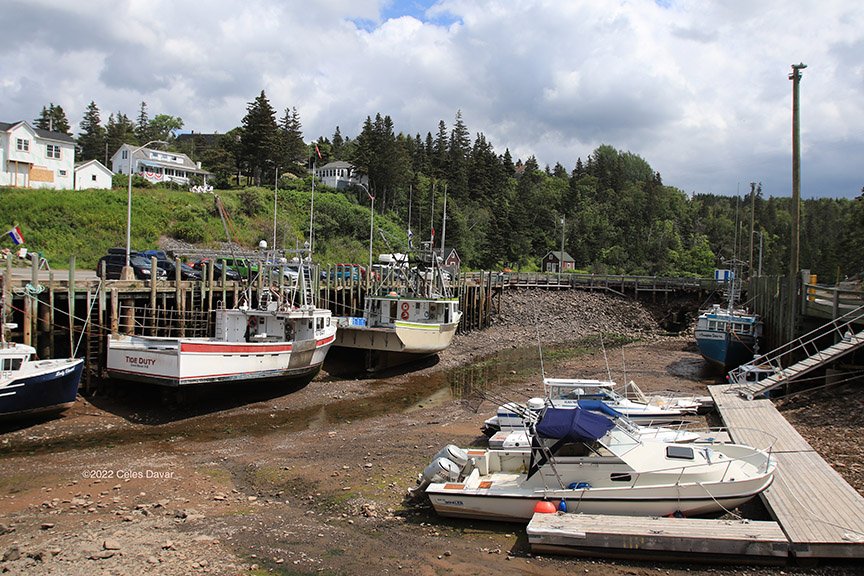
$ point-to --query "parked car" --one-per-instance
(230, 273)
(346, 272)
(165, 263)
(111, 265)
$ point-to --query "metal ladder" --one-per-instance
(308, 288)
(847, 337)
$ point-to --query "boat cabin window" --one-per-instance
(574, 449)
(679, 452)
(620, 477)
(11, 364)
(393, 310)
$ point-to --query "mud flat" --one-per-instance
(313, 482)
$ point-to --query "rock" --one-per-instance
(111, 544)
(12, 554)
(103, 555)
(4, 529)
(47, 525)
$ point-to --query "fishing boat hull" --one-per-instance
(198, 361)
(45, 386)
(725, 350)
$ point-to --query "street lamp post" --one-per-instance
(128, 274)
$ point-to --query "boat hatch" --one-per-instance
(679, 452)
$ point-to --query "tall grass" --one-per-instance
(62, 223)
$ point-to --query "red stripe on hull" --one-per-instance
(234, 348)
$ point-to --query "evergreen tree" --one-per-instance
(439, 152)
(120, 130)
(337, 144)
(259, 139)
(142, 128)
(293, 149)
(459, 149)
(91, 139)
(53, 119)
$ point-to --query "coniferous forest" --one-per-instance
(611, 210)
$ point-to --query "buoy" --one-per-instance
(562, 506)
(544, 507)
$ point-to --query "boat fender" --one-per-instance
(562, 506)
(405, 307)
(544, 507)
(579, 486)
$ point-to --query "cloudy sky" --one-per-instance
(699, 89)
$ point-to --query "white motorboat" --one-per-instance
(30, 386)
(517, 417)
(567, 392)
(582, 462)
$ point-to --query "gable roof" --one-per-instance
(80, 165)
(557, 255)
(44, 134)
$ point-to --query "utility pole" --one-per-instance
(561, 263)
(794, 267)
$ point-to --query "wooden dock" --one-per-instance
(738, 541)
(820, 513)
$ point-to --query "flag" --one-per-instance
(16, 236)
(317, 151)
(433, 233)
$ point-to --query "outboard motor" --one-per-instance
(454, 454)
(446, 466)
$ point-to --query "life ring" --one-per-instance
(405, 307)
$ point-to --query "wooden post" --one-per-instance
(71, 305)
(154, 268)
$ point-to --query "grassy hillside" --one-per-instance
(62, 223)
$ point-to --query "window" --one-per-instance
(679, 452)
(93, 177)
(23, 144)
(125, 154)
(52, 151)
(62, 172)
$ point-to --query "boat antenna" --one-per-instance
(539, 345)
(624, 367)
(605, 358)
(312, 207)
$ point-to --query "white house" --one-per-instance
(92, 174)
(156, 165)
(339, 174)
(34, 158)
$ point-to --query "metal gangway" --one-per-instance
(845, 331)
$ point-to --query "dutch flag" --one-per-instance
(16, 236)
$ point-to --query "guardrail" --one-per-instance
(829, 302)
(613, 282)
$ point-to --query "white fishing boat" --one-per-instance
(409, 314)
(583, 462)
(272, 342)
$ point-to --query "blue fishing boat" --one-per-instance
(30, 386)
(728, 337)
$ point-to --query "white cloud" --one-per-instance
(699, 89)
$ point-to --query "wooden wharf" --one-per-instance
(820, 513)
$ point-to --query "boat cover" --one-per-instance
(573, 424)
(599, 406)
(564, 425)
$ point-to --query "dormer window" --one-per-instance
(23, 144)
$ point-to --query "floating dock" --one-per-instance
(816, 514)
